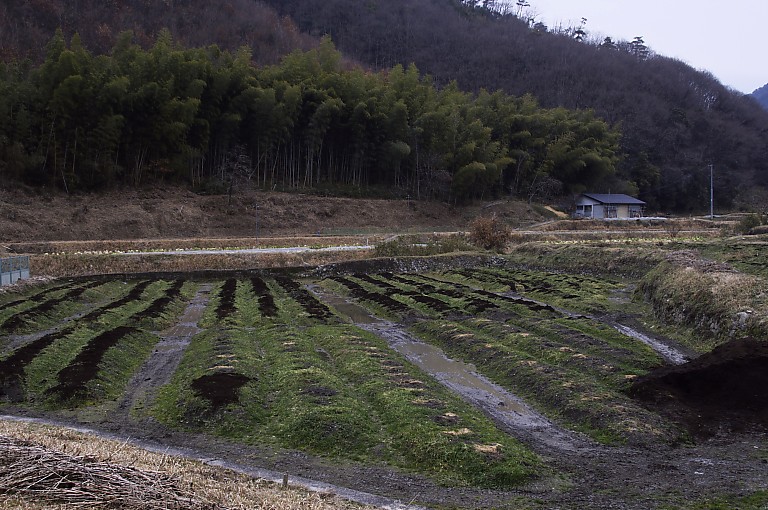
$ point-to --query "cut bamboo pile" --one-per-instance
(36, 473)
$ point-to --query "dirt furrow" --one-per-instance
(663, 348)
(165, 359)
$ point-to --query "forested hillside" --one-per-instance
(97, 105)
(674, 120)
(82, 121)
(761, 95)
(26, 26)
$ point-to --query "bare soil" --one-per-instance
(171, 212)
(162, 364)
(723, 391)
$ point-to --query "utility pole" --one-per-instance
(257, 221)
(711, 191)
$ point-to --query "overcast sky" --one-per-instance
(725, 38)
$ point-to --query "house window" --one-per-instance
(584, 211)
(611, 211)
(635, 211)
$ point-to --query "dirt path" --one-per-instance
(160, 367)
(617, 478)
(254, 251)
(204, 455)
(665, 350)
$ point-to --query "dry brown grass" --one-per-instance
(731, 290)
(200, 485)
(682, 224)
(70, 264)
(60, 247)
(711, 296)
(34, 472)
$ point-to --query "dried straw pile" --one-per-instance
(175, 482)
(33, 472)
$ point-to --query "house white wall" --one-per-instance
(587, 207)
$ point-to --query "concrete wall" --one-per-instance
(13, 269)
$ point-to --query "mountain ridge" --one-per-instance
(675, 120)
(761, 96)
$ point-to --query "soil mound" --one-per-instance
(725, 390)
(220, 388)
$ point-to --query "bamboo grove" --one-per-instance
(135, 116)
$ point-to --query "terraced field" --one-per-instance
(573, 367)
(269, 360)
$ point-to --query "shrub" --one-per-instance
(489, 233)
(748, 223)
(672, 227)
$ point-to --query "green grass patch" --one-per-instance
(332, 389)
(745, 254)
(102, 372)
(569, 383)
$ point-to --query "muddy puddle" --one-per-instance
(354, 312)
(459, 376)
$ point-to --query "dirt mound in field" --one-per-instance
(220, 388)
(725, 390)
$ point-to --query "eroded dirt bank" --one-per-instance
(176, 212)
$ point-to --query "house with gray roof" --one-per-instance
(608, 206)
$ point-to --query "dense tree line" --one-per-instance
(26, 26)
(84, 121)
(675, 120)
